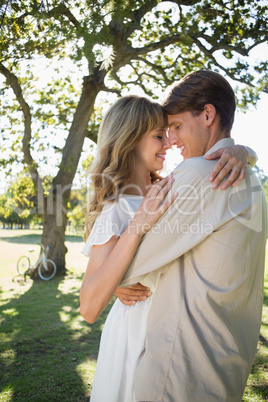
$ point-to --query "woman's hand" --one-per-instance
(132, 294)
(233, 160)
(153, 206)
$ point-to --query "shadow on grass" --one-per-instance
(36, 238)
(258, 384)
(23, 239)
(45, 342)
(74, 238)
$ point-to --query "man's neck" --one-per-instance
(222, 143)
(216, 137)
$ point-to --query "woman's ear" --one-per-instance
(209, 114)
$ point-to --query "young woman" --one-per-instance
(127, 200)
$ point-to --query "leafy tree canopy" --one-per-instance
(111, 46)
(129, 43)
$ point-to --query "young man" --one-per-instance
(204, 322)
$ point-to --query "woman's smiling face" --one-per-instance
(150, 152)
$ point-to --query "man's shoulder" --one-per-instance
(195, 167)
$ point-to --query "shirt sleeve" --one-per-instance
(112, 221)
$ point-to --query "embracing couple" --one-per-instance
(184, 254)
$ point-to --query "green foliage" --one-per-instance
(76, 209)
(57, 57)
(261, 175)
(265, 189)
(209, 34)
(264, 181)
(53, 102)
(87, 162)
(78, 199)
(19, 202)
(158, 42)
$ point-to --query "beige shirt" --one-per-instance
(205, 317)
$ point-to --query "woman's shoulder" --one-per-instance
(123, 207)
(112, 221)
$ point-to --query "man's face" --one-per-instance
(189, 133)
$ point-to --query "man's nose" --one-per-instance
(167, 144)
(172, 137)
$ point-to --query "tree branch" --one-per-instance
(112, 90)
(4, 13)
(138, 14)
(154, 46)
(226, 70)
(220, 45)
(125, 53)
(13, 82)
(184, 3)
(143, 87)
(92, 136)
(120, 82)
(61, 9)
(161, 70)
(118, 31)
(258, 42)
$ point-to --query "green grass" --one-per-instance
(47, 351)
(257, 385)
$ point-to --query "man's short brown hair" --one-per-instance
(198, 89)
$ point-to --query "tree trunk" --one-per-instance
(54, 237)
(54, 208)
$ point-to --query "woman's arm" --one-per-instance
(233, 159)
(105, 269)
(109, 262)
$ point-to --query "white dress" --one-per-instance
(123, 336)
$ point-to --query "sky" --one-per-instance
(251, 129)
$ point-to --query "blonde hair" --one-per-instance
(125, 123)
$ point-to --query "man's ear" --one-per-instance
(209, 114)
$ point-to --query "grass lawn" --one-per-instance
(47, 351)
